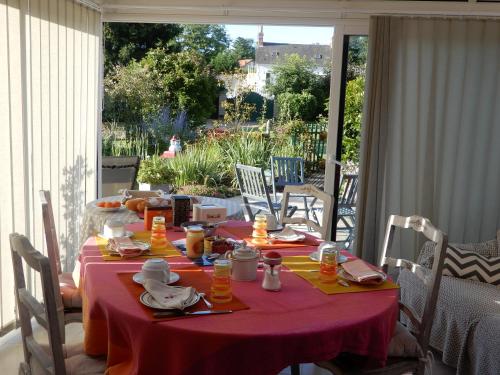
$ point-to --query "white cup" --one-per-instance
(157, 269)
(272, 223)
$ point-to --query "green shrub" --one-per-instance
(294, 106)
(155, 171)
(208, 191)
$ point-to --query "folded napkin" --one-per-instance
(169, 297)
(125, 247)
(361, 272)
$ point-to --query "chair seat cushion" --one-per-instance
(70, 293)
(403, 343)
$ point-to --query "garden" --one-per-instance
(166, 80)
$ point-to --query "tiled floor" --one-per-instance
(11, 354)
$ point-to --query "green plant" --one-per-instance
(155, 171)
(293, 106)
(220, 191)
(351, 138)
(198, 164)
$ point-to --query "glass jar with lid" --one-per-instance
(194, 241)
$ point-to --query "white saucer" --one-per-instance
(126, 234)
(139, 278)
(147, 299)
(315, 256)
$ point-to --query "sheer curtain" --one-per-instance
(431, 130)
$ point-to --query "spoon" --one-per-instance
(209, 305)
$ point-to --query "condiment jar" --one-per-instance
(194, 242)
(245, 261)
(272, 268)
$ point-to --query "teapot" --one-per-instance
(245, 261)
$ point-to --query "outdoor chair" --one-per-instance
(409, 346)
(55, 358)
(346, 212)
(71, 297)
(310, 191)
(255, 192)
(118, 172)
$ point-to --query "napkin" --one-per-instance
(124, 246)
(361, 272)
(169, 297)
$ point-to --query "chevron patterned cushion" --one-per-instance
(471, 265)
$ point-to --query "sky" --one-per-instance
(283, 34)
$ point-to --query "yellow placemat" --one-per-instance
(304, 267)
(143, 236)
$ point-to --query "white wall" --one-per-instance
(49, 101)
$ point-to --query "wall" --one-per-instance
(49, 112)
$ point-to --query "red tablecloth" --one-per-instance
(299, 324)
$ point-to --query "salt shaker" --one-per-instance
(272, 267)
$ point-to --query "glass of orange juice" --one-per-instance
(328, 266)
(221, 282)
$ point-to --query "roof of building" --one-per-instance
(271, 53)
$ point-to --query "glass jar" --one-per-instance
(220, 291)
(328, 266)
(158, 234)
(194, 242)
(259, 233)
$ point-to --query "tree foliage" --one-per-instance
(352, 119)
(124, 42)
(244, 48)
(293, 106)
(207, 40)
(300, 76)
(225, 62)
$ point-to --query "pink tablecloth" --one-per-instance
(296, 325)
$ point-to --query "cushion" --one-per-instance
(70, 294)
(486, 248)
(471, 265)
(403, 343)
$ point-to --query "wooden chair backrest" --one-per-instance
(119, 172)
(49, 227)
(348, 190)
(49, 314)
(312, 191)
(252, 182)
(422, 225)
(287, 170)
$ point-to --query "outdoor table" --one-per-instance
(94, 219)
(298, 324)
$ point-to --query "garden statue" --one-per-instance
(175, 144)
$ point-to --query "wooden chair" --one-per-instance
(346, 212)
(409, 347)
(42, 359)
(71, 297)
(310, 191)
(255, 193)
(118, 172)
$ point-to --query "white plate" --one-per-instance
(315, 256)
(109, 209)
(139, 278)
(147, 299)
(293, 238)
(126, 234)
(346, 276)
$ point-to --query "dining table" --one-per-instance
(269, 331)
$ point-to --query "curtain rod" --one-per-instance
(438, 16)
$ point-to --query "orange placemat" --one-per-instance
(245, 233)
(144, 236)
(304, 267)
(190, 276)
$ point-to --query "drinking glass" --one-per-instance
(158, 234)
(259, 233)
(221, 282)
(328, 266)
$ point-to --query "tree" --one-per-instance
(126, 41)
(351, 137)
(185, 81)
(244, 48)
(293, 106)
(208, 40)
(225, 62)
(356, 57)
(299, 75)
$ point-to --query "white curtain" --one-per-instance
(49, 119)
(431, 130)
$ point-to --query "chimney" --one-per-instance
(260, 41)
